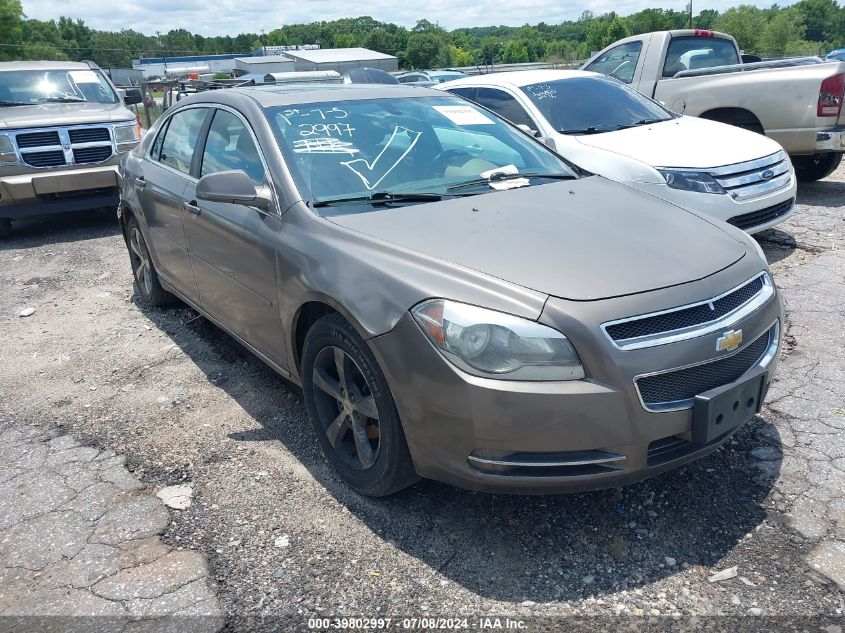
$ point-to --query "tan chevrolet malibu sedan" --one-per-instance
(457, 301)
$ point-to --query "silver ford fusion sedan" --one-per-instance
(457, 301)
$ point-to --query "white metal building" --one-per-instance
(342, 59)
(265, 64)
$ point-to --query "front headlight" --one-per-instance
(7, 150)
(127, 134)
(497, 345)
(698, 181)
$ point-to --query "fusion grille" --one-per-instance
(755, 178)
(53, 158)
(89, 135)
(37, 139)
(684, 384)
(91, 154)
(686, 317)
(763, 216)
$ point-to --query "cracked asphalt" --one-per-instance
(283, 538)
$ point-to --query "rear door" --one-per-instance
(161, 185)
(233, 247)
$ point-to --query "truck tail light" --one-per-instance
(830, 96)
(703, 33)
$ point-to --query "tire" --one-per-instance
(368, 450)
(147, 285)
(815, 167)
(5, 228)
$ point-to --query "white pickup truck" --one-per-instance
(797, 102)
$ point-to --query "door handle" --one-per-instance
(191, 207)
(140, 182)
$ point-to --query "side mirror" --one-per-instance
(528, 130)
(233, 187)
(132, 96)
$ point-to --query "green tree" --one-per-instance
(822, 18)
(423, 49)
(783, 31)
(706, 19)
(459, 56)
(11, 18)
(515, 52)
(746, 23)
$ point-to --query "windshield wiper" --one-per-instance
(500, 176)
(12, 103)
(61, 99)
(380, 197)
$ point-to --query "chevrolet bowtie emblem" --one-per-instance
(729, 341)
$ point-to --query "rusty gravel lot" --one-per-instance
(284, 536)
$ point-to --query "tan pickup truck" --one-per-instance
(63, 129)
(797, 102)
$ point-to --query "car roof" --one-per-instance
(43, 65)
(293, 94)
(520, 77)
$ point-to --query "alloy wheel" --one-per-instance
(141, 261)
(346, 407)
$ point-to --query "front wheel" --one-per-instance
(352, 410)
(815, 167)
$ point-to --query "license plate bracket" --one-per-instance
(724, 408)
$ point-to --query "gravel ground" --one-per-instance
(283, 536)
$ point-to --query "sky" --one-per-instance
(230, 17)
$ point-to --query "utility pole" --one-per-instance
(689, 12)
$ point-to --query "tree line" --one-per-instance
(809, 27)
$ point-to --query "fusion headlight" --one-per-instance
(127, 134)
(7, 150)
(497, 345)
(698, 181)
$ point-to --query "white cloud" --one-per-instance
(230, 17)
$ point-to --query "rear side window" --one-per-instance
(466, 93)
(230, 146)
(504, 105)
(180, 139)
(694, 53)
(619, 62)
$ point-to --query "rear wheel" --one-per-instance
(815, 167)
(352, 410)
(146, 279)
(5, 227)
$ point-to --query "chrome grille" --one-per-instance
(91, 154)
(38, 139)
(676, 388)
(64, 146)
(52, 158)
(752, 179)
(89, 135)
(693, 320)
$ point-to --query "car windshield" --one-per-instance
(386, 149)
(24, 87)
(591, 105)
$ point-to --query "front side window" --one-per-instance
(505, 105)
(436, 146)
(591, 105)
(230, 146)
(180, 138)
(24, 87)
(619, 62)
(695, 53)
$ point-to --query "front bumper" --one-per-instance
(752, 216)
(38, 192)
(832, 140)
(546, 437)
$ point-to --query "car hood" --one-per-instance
(584, 239)
(52, 114)
(685, 142)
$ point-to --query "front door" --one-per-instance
(166, 174)
(233, 247)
